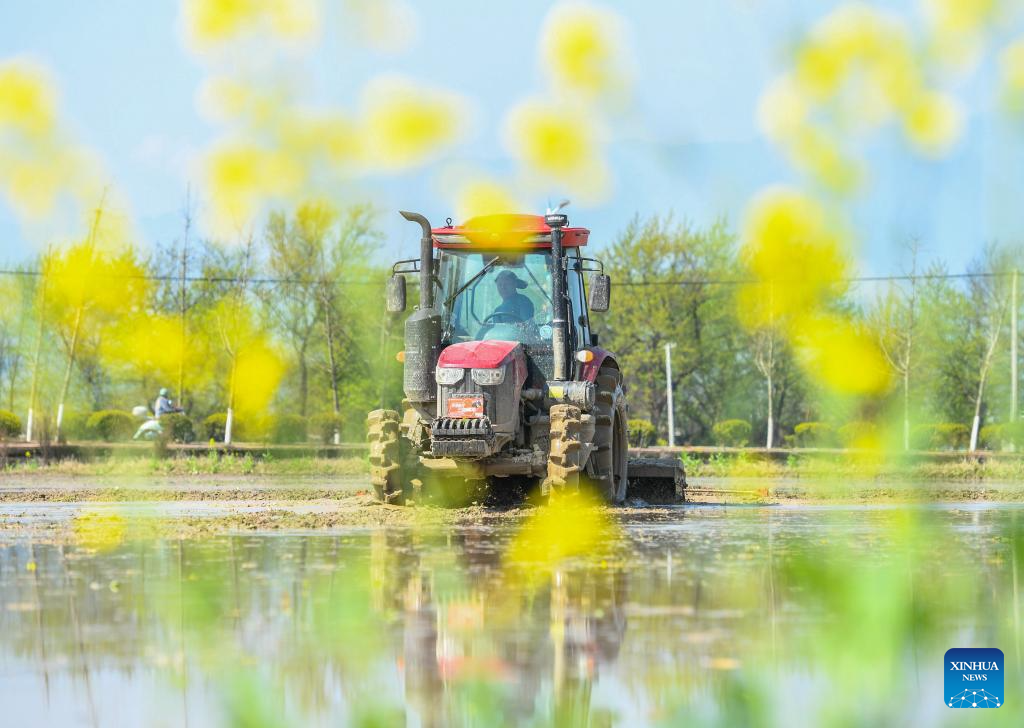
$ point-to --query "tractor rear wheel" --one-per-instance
(608, 460)
(386, 459)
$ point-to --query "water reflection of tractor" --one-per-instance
(527, 653)
(504, 379)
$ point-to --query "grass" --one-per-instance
(210, 464)
(860, 466)
(735, 465)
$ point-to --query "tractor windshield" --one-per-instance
(496, 295)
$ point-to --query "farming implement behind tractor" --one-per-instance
(504, 380)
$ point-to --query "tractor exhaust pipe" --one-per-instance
(426, 258)
(560, 325)
(423, 327)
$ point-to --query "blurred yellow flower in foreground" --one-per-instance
(570, 527)
(793, 248)
(933, 122)
(26, 99)
(485, 198)
(386, 26)
(212, 22)
(257, 373)
(581, 48)
(559, 143)
(242, 178)
(1011, 67)
(405, 124)
(99, 530)
(841, 355)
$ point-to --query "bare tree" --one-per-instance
(990, 302)
(895, 321)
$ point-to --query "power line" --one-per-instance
(169, 278)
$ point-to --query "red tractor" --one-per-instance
(504, 379)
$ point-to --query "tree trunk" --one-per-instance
(770, 439)
(906, 407)
(72, 349)
(303, 384)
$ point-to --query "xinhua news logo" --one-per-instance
(974, 677)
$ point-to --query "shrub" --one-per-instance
(215, 424)
(641, 433)
(324, 426)
(10, 424)
(178, 427)
(814, 434)
(288, 428)
(111, 425)
(942, 436)
(857, 434)
(75, 426)
(732, 433)
(1003, 435)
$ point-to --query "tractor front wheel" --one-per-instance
(385, 443)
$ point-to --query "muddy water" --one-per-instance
(707, 615)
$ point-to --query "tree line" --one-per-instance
(286, 325)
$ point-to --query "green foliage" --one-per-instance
(178, 427)
(10, 424)
(111, 425)
(76, 426)
(732, 433)
(1003, 435)
(814, 434)
(288, 429)
(942, 436)
(641, 433)
(855, 433)
(324, 426)
(215, 424)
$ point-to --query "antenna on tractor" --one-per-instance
(562, 204)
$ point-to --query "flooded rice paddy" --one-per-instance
(704, 614)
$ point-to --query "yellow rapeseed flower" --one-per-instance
(405, 124)
(27, 99)
(841, 355)
(99, 530)
(559, 143)
(933, 123)
(581, 49)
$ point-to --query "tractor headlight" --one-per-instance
(489, 377)
(449, 375)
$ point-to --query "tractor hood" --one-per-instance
(477, 354)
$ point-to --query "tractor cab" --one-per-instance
(494, 282)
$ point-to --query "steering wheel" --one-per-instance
(501, 317)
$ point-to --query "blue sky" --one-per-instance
(690, 146)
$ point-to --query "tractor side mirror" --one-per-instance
(600, 292)
(395, 293)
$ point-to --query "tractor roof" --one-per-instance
(505, 231)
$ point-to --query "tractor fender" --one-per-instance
(602, 357)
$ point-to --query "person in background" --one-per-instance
(164, 405)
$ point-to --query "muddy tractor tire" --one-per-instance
(563, 476)
(386, 460)
(608, 461)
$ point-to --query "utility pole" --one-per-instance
(668, 395)
(1014, 334)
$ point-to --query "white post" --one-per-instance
(227, 426)
(1014, 333)
(28, 426)
(668, 395)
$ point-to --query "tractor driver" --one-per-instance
(514, 308)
